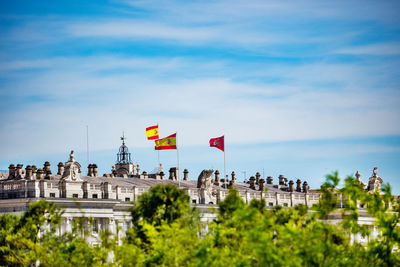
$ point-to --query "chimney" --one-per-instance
(60, 170)
(162, 174)
(171, 174)
(95, 173)
(137, 169)
(34, 172)
(261, 184)
(40, 174)
(233, 178)
(298, 185)
(11, 171)
(270, 180)
(47, 170)
(216, 177)
(18, 171)
(291, 187)
(90, 170)
(28, 172)
(306, 188)
(282, 180)
(185, 175)
(258, 178)
(252, 183)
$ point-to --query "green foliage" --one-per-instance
(167, 232)
(162, 203)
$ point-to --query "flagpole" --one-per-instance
(158, 151)
(87, 143)
(224, 163)
(158, 160)
(177, 158)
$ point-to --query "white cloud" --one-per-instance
(197, 107)
(381, 49)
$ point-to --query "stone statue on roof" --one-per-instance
(72, 169)
(375, 182)
(361, 182)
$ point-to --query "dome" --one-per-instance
(123, 155)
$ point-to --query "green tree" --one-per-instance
(162, 203)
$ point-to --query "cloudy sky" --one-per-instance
(300, 88)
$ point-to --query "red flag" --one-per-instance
(217, 142)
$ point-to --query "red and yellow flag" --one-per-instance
(168, 142)
(218, 143)
(152, 132)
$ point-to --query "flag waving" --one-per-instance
(168, 142)
(217, 142)
(152, 132)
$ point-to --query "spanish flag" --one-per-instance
(152, 132)
(168, 142)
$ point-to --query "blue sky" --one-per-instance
(298, 88)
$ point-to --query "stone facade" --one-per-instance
(107, 198)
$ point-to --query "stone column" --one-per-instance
(307, 200)
(111, 226)
(43, 188)
(292, 199)
(86, 189)
(118, 193)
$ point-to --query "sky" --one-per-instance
(300, 88)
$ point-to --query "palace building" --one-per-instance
(107, 198)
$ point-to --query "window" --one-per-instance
(52, 194)
(194, 201)
(285, 204)
(94, 196)
(211, 203)
(127, 199)
(270, 204)
(95, 228)
(127, 225)
(75, 195)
